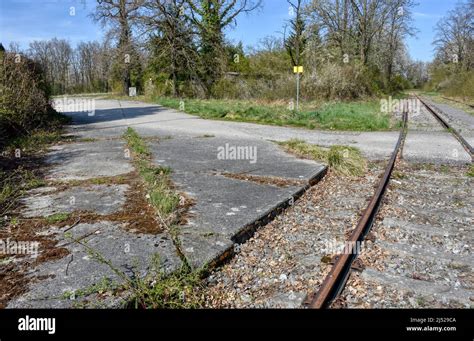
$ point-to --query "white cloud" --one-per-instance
(426, 15)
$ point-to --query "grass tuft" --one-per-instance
(343, 160)
(57, 218)
(181, 289)
(137, 144)
(470, 171)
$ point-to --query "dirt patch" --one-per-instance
(137, 216)
(137, 213)
(13, 283)
(263, 180)
(109, 180)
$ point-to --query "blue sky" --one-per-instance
(25, 20)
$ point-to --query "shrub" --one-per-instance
(24, 98)
(335, 81)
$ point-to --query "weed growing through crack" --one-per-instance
(182, 289)
(101, 287)
(342, 159)
(13, 185)
(158, 184)
(470, 171)
(57, 218)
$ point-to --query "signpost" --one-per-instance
(298, 70)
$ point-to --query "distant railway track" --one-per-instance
(453, 100)
(448, 127)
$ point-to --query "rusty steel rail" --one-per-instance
(334, 282)
(453, 100)
(446, 125)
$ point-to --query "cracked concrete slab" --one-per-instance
(205, 155)
(88, 160)
(131, 254)
(99, 199)
(224, 207)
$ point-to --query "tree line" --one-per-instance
(349, 48)
(452, 71)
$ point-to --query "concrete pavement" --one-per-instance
(235, 176)
(234, 180)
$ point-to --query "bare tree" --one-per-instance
(121, 15)
(335, 21)
(55, 57)
(398, 26)
(171, 38)
(455, 36)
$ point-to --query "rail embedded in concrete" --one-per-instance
(446, 125)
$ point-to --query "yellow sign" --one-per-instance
(297, 69)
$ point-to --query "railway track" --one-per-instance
(456, 101)
(335, 282)
(447, 126)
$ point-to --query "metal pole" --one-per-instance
(297, 91)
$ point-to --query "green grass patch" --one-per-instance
(470, 171)
(354, 116)
(181, 289)
(160, 191)
(57, 218)
(342, 159)
(14, 184)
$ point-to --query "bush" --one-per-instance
(452, 82)
(335, 81)
(460, 85)
(24, 98)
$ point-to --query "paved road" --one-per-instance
(113, 116)
(457, 118)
